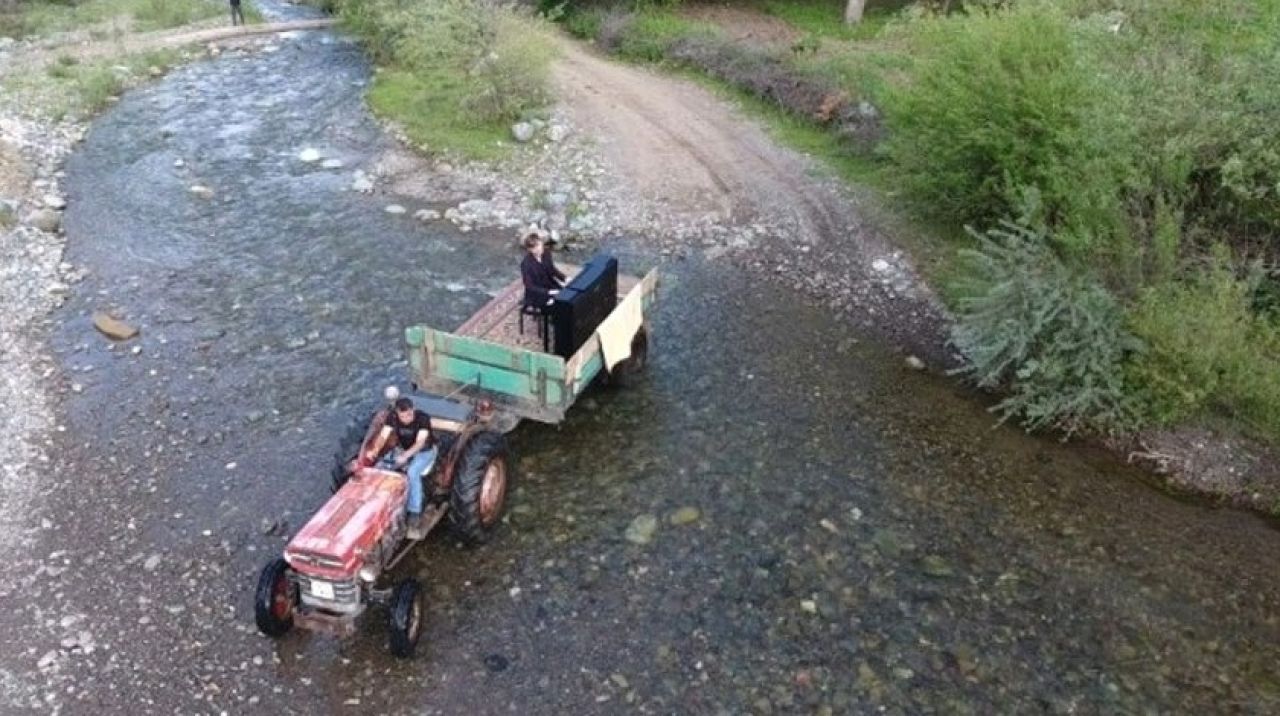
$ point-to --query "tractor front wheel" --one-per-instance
(406, 618)
(481, 479)
(275, 599)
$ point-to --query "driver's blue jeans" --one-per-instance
(419, 465)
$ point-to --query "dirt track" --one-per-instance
(164, 39)
(678, 150)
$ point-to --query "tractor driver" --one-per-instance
(416, 448)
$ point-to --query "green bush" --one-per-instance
(456, 71)
(1001, 118)
(1207, 350)
(1054, 338)
(648, 35)
(513, 77)
(585, 23)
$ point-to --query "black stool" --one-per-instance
(540, 314)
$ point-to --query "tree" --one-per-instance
(853, 11)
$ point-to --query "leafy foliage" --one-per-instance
(1054, 338)
(458, 71)
(1208, 350)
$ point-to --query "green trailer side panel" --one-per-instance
(499, 356)
(519, 385)
(527, 383)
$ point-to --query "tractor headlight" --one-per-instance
(368, 574)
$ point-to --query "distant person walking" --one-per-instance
(237, 17)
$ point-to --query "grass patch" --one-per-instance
(430, 108)
(44, 17)
(453, 73)
(825, 18)
(69, 88)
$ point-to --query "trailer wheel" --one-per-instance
(406, 618)
(481, 479)
(348, 451)
(275, 599)
(628, 371)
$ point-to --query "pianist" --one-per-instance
(542, 280)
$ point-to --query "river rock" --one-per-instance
(557, 132)
(113, 328)
(936, 566)
(641, 529)
(46, 220)
(915, 363)
(309, 155)
(53, 201)
(522, 131)
(332, 164)
(426, 215)
(394, 209)
(685, 516)
(155, 71)
(361, 183)
(201, 191)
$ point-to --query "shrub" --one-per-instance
(1000, 118)
(456, 70)
(1053, 337)
(512, 77)
(585, 24)
(1206, 349)
(648, 35)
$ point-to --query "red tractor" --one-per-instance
(336, 565)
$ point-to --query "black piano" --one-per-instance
(580, 306)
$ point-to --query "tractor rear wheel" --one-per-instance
(349, 450)
(629, 370)
(481, 479)
(275, 599)
(405, 618)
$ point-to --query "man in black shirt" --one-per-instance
(542, 280)
(414, 447)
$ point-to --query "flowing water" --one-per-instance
(861, 538)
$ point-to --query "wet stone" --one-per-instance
(641, 529)
(112, 327)
(685, 516)
(936, 566)
(496, 663)
(46, 220)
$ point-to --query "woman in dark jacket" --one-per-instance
(542, 280)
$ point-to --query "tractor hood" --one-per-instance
(351, 523)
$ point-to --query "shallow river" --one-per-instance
(865, 541)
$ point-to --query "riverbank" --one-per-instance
(53, 86)
(838, 92)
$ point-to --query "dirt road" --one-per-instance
(161, 39)
(679, 151)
